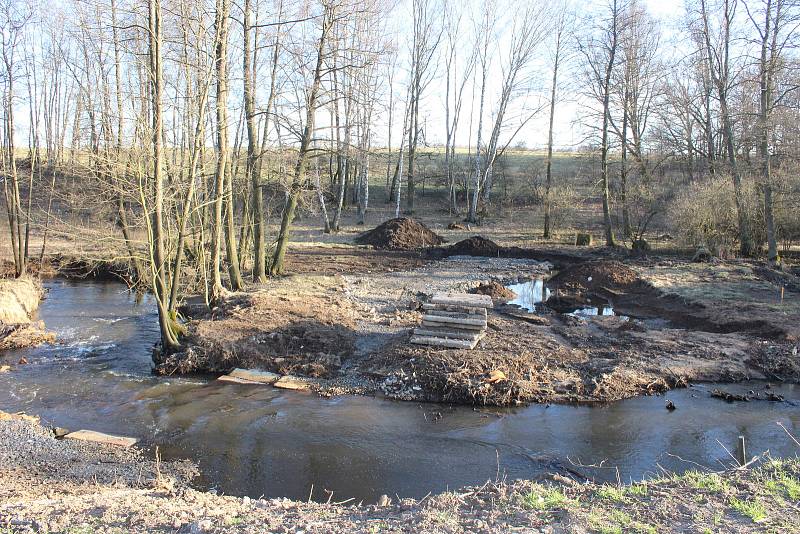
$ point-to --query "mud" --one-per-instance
(400, 234)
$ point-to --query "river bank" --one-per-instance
(657, 324)
(19, 300)
(66, 486)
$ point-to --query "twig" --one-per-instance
(735, 459)
(789, 433)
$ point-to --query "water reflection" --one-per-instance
(529, 294)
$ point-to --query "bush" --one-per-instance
(705, 214)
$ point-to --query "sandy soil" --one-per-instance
(19, 300)
(62, 486)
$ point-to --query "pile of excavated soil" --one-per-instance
(475, 246)
(400, 234)
(300, 326)
(495, 290)
(595, 275)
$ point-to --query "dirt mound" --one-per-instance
(595, 275)
(475, 246)
(494, 290)
(402, 233)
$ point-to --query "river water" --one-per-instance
(257, 440)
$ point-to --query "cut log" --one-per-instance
(448, 343)
(451, 333)
(463, 299)
(264, 377)
(459, 309)
(462, 315)
(291, 382)
(432, 322)
(99, 437)
(461, 321)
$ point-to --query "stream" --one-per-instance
(261, 441)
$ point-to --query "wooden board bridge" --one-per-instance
(453, 320)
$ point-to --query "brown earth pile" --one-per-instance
(595, 275)
(400, 234)
(301, 327)
(475, 246)
(495, 290)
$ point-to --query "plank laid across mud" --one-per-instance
(461, 315)
(237, 380)
(450, 333)
(445, 342)
(433, 322)
(99, 437)
(452, 308)
(253, 375)
(461, 321)
(462, 299)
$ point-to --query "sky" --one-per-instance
(568, 133)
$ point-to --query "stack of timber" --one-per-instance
(453, 320)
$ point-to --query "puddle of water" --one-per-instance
(532, 295)
(256, 440)
(529, 294)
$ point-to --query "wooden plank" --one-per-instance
(459, 309)
(264, 377)
(291, 382)
(451, 333)
(99, 437)
(237, 380)
(463, 299)
(439, 324)
(461, 315)
(448, 343)
(479, 322)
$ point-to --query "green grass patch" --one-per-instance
(638, 489)
(612, 493)
(750, 508)
(706, 481)
(546, 498)
(784, 485)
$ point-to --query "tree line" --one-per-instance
(191, 120)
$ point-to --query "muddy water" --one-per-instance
(255, 440)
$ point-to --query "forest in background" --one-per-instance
(194, 133)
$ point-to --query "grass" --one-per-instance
(785, 486)
(612, 493)
(706, 481)
(750, 508)
(545, 498)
